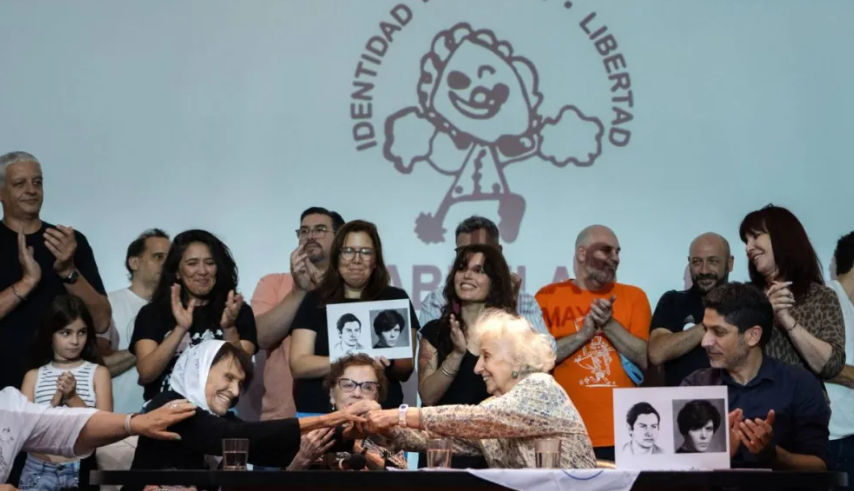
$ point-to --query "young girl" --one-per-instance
(70, 374)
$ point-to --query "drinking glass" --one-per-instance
(235, 453)
(439, 452)
(547, 453)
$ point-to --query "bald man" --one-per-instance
(677, 327)
(596, 320)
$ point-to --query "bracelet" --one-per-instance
(127, 423)
(792, 328)
(15, 291)
(448, 373)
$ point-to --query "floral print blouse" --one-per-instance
(504, 428)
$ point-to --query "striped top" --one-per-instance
(49, 374)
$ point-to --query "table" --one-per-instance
(458, 480)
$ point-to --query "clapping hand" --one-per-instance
(734, 420)
(26, 256)
(457, 337)
(758, 433)
(183, 315)
(299, 270)
(306, 274)
(232, 308)
(62, 243)
(782, 300)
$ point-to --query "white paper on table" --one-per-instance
(556, 479)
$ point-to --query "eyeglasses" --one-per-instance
(348, 385)
(318, 231)
(349, 253)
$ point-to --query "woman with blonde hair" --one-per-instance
(526, 404)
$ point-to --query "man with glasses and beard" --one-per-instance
(276, 299)
(596, 322)
(677, 324)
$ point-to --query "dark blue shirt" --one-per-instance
(795, 395)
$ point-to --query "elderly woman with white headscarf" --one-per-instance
(527, 404)
(211, 375)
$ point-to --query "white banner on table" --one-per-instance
(374, 328)
(551, 479)
(671, 428)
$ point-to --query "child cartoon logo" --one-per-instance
(477, 113)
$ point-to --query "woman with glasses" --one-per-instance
(351, 380)
(357, 273)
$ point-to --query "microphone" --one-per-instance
(355, 462)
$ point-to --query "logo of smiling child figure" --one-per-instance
(477, 113)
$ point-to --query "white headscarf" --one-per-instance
(190, 374)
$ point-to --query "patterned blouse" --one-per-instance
(504, 428)
(821, 315)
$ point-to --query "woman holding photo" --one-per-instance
(357, 273)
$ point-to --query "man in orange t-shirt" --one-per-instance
(595, 320)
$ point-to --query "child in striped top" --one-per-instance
(67, 372)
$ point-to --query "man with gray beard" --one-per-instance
(677, 324)
(601, 328)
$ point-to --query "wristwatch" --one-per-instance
(72, 278)
(401, 415)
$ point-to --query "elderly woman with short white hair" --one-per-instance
(527, 404)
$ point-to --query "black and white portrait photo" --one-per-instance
(643, 423)
(699, 425)
(349, 334)
(390, 328)
(671, 428)
(378, 329)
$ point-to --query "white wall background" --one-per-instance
(234, 117)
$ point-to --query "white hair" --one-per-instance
(530, 349)
(14, 158)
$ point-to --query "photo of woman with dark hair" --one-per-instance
(388, 327)
(698, 421)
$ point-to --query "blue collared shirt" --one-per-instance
(795, 395)
(526, 305)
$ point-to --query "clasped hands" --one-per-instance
(601, 313)
(782, 300)
(368, 418)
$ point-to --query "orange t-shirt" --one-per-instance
(590, 374)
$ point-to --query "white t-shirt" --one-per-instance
(841, 397)
(29, 427)
(127, 393)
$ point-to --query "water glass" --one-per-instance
(235, 454)
(547, 453)
(439, 452)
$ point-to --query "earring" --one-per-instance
(515, 374)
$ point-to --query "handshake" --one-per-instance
(365, 418)
(355, 422)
